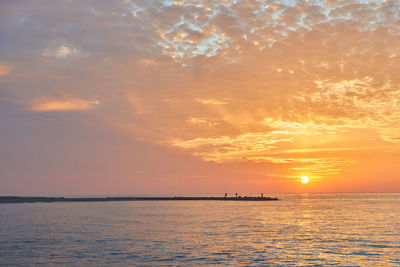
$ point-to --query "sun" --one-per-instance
(304, 179)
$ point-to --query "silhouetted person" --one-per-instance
(262, 194)
(236, 194)
(226, 194)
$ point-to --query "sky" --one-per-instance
(199, 97)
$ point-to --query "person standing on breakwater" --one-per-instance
(226, 194)
(236, 194)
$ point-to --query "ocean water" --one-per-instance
(299, 230)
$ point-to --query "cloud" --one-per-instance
(319, 167)
(202, 122)
(61, 52)
(225, 148)
(63, 105)
(4, 69)
(210, 101)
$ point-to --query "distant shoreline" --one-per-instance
(16, 199)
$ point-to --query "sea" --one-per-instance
(297, 230)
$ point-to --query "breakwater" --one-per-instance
(17, 199)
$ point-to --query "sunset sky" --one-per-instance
(199, 97)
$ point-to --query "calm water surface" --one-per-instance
(299, 230)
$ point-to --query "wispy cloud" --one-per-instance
(210, 101)
(4, 69)
(63, 105)
(225, 148)
(61, 52)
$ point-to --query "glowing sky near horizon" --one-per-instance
(188, 97)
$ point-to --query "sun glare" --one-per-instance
(304, 179)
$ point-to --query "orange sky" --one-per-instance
(198, 97)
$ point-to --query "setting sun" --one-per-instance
(304, 179)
